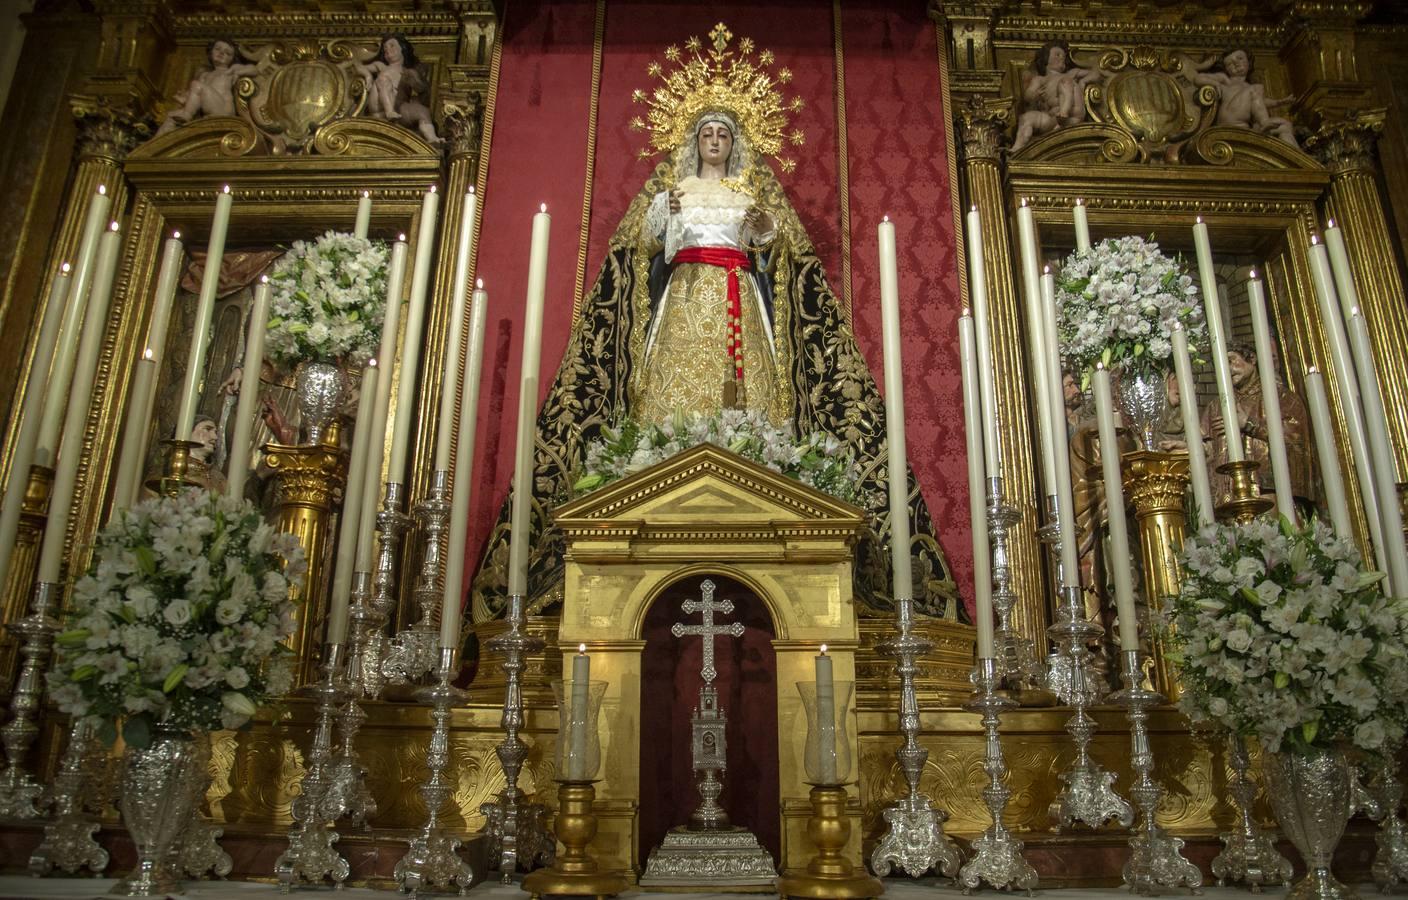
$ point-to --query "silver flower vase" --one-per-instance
(158, 795)
(1143, 399)
(320, 388)
(1313, 801)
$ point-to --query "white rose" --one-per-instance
(1238, 640)
(237, 678)
(177, 612)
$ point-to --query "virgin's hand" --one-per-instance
(231, 385)
(675, 201)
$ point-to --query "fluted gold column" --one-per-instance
(1157, 484)
(1346, 146)
(19, 583)
(305, 481)
(983, 125)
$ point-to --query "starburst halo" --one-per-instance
(735, 81)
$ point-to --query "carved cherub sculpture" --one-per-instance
(397, 88)
(1243, 103)
(212, 92)
(1053, 93)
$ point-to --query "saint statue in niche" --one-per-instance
(397, 88)
(712, 294)
(212, 92)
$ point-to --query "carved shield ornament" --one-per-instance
(305, 88)
(1150, 105)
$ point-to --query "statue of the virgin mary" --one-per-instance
(712, 295)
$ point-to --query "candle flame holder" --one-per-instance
(1017, 663)
(829, 874)
(575, 871)
(415, 651)
(392, 523)
(1246, 501)
(21, 797)
(180, 468)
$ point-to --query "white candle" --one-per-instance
(351, 516)
(133, 456)
(1270, 400)
(1347, 384)
(370, 485)
(241, 449)
(825, 718)
(85, 370)
(900, 561)
(454, 338)
(987, 392)
(977, 487)
(205, 310)
(1340, 269)
(463, 473)
(1121, 563)
(1212, 310)
(410, 347)
(577, 741)
(1381, 454)
(1031, 282)
(34, 391)
(1328, 456)
(1056, 408)
(57, 393)
(364, 215)
(1192, 428)
(528, 406)
(1082, 226)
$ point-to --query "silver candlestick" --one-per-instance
(68, 842)
(997, 855)
(392, 523)
(347, 793)
(914, 839)
(515, 828)
(1391, 862)
(1155, 859)
(431, 859)
(1017, 664)
(21, 797)
(1249, 855)
(415, 651)
(310, 855)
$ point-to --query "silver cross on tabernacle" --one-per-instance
(708, 630)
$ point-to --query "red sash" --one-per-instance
(732, 261)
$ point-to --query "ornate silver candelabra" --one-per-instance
(415, 651)
(1155, 859)
(1391, 862)
(431, 859)
(997, 855)
(515, 828)
(1017, 665)
(68, 842)
(347, 793)
(914, 838)
(310, 855)
(1249, 855)
(21, 797)
(392, 523)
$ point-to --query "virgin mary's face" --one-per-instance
(715, 143)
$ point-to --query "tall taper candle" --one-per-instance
(1270, 400)
(1056, 408)
(34, 391)
(57, 393)
(454, 340)
(1031, 288)
(1327, 455)
(364, 215)
(406, 392)
(354, 496)
(977, 487)
(1222, 372)
(133, 455)
(1082, 226)
(1121, 561)
(519, 536)
(1192, 428)
(901, 564)
(241, 444)
(1381, 453)
(463, 472)
(580, 698)
(376, 449)
(205, 310)
(1339, 267)
(825, 718)
(95, 320)
(982, 332)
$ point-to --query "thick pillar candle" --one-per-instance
(406, 392)
(524, 462)
(1226, 393)
(1192, 428)
(364, 215)
(825, 718)
(463, 472)
(1270, 400)
(1381, 454)
(977, 487)
(1327, 455)
(205, 310)
(1082, 226)
(1120, 558)
(353, 497)
(580, 701)
(241, 449)
(1056, 409)
(982, 332)
(902, 580)
(454, 339)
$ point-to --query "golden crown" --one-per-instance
(723, 79)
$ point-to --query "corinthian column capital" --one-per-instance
(108, 128)
(983, 126)
(1346, 144)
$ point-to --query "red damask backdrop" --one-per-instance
(897, 165)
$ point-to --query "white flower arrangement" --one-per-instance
(1281, 634)
(328, 300)
(1117, 304)
(180, 619)
(817, 459)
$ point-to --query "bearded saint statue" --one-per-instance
(712, 295)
